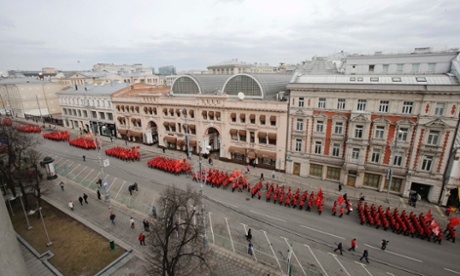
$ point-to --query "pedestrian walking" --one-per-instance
(250, 248)
(130, 189)
(84, 158)
(164, 150)
(384, 244)
(112, 218)
(365, 256)
(210, 161)
(146, 224)
(70, 205)
(249, 236)
(80, 199)
(176, 231)
(62, 185)
(126, 142)
(131, 221)
(273, 174)
(85, 197)
(111, 139)
(141, 238)
(98, 194)
(353, 245)
(339, 247)
(262, 177)
(342, 211)
(340, 187)
(345, 197)
(248, 168)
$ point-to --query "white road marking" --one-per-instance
(79, 174)
(229, 204)
(120, 188)
(394, 253)
(403, 202)
(273, 251)
(322, 232)
(364, 267)
(114, 179)
(210, 226)
(74, 169)
(335, 257)
(314, 256)
(293, 254)
(440, 211)
(268, 216)
(230, 234)
(253, 251)
(391, 274)
(450, 270)
(86, 177)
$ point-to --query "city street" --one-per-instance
(274, 228)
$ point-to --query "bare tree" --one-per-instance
(176, 241)
(18, 162)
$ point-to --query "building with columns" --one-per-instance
(363, 128)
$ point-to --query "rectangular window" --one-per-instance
(318, 147)
(407, 107)
(338, 128)
(102, 115)
(384, 106)
(252, 137)
(252, 118)
(301, 102)
(433, 137)
(385, 68)
(262, 140)
(341, 104)
(371, 68)
(397, 160)
(431, 67)
(403, 133)
(439, 111)
(362, 105)
(336, 150)
(109, 116)
(371, 180)
(415, 67)
(355, 155)
(320, 126)
(399, 68)
(379, 132)
(427, 162)
(299, 126)
(322, 103)
(359, 131)
(316, 170)
(396, 184)
(94, 114)
(333, 173)
(234, 136)
(375, 156)
(273, 121)
(298, 145)
(242, 135)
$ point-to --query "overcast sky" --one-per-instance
(193, 34)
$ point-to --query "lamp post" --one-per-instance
(187, 138)
(205, 237)
(389, 175)
(44, 225)
(25, 213)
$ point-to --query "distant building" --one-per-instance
(167, 70)
(237, 67)
(137, 68)
(168, 80)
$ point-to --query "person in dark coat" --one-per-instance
(98, 194)
(249, 236)
(339, 247)
(365, 256)
(80, 199)
(85, 197)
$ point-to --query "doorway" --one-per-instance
(422, 189)
(351, 181)
(296, 170)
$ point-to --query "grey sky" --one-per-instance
(194, 34)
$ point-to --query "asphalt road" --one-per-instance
(274, 228)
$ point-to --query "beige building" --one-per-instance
(363, 129)
(28, 96)
(235, 66)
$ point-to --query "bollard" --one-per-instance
(112, 245)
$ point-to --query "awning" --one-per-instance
(272, 136)
(252, 117)
(211, 113)
(139, 120)
(172, 124)
(266, 154)
(242, 132)
(184, 126)
(262, 135)
(192, 112)
(242, 116)
(262, 117)
(237, 150)
(233, 131)
(165, 110)
(135, 134)
(171, 110)
(217, 114)
(252, 155)
(171, 139)
(146, 109)
(192, 143)
(180, 142)
(204, 112)
(272, 118)
(122, 131)
(191, 126)
(178, 111)
(154, 109)
(184, 111)
(166, 124)
(133, 120)
(233, 115)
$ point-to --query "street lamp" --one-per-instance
(187, 138)
(205, 237)
(389, 174)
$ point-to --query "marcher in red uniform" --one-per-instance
(334, 208)
(259, 193)
(353, 245)
(320, 209)
(342, 211)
